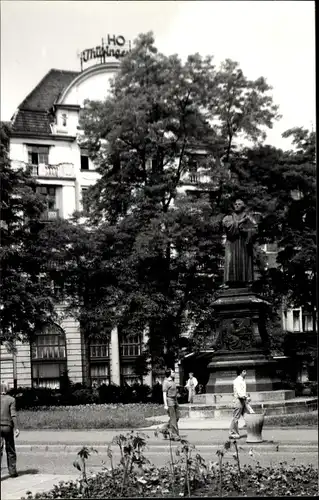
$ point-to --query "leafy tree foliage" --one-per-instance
(281, 185)
(163, 246)
(298, 248)
(27, 300)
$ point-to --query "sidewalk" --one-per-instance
(15, 488)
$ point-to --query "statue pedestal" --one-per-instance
(240, 340)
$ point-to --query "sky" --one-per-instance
(274, 39)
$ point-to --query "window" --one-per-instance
(100, 374)
(307, 322)
(128, 375)
(296, 321)
(38, 154)
(99, 362)
(49, 192)
(99, 348)
(84, 159)
(130, 345)
(64, 119)
(48, 357)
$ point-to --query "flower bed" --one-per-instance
(93, 416)
(187, 474)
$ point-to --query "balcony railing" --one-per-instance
(99, 351)
(61, 170)
(50, 214)
(196, 178)
(130, 350)
(53, 352)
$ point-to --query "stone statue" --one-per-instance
(240, 227)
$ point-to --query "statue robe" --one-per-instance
(238, 249)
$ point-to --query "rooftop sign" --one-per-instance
(114, 46)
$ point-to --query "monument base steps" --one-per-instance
(270, 407)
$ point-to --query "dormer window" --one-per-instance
(64, 119)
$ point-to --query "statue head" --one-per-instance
(239, 206)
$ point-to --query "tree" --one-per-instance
(241, 108)
(298, 248)
(27, 302)
(165, 248)
(282, 186)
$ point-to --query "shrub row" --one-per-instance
(76, 394)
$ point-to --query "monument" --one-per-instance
(239, 329)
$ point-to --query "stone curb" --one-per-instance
(74, 448)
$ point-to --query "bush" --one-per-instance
(302, 388)
(28, 397)
(140, 393)
(182, 394)
(77, 394)
(297, 419)
(84, 397)
(157, 393)
(109, 393)
(310, 388)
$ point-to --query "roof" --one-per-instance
(33, 113)
(44, 95)
(35, 122)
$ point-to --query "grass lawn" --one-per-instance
(128, 416)
(309, 419)
(107, 416)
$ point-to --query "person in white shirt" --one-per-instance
(191, 385)
(241, 400)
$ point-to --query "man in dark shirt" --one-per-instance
(9, 429)
(171, 404)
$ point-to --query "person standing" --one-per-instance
(240, 400)
(9, 429)
(171, 405)
(191, 385)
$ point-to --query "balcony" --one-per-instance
(130, 350)
(50, 214)
(99, 351)
(59, 171)
(196, 178)
(48, 352)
